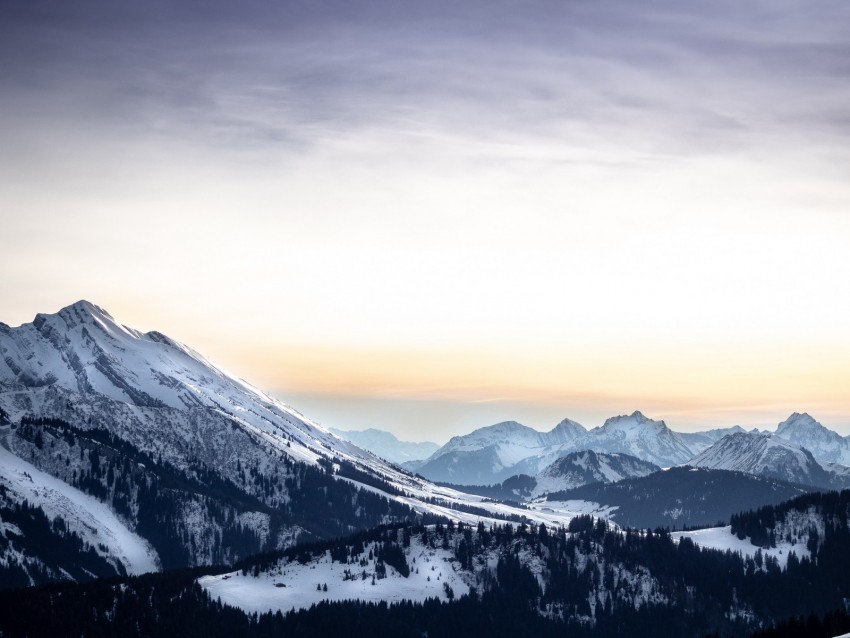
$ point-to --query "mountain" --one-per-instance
(387, 446)
(587, 466)
(196, 464)
(768, 455)
(565, 433)
(493, 453)
(822, 442)
(699, 441)
(51, 530)
(638, 436)
(680, 496)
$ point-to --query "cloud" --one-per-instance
(654, 77)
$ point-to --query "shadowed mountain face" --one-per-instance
(683, 496)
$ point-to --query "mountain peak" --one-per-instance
(80, 313)
(797, 420)
(569, 425)
(84, 308)
(632, 420)
(824, 443)
(83, 305)
(566, 431)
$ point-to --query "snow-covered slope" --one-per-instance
(88, 517)
(290, 584)
(723, 539)
(138, 378)
(387, 445)
(581, 468)
(767, 455)
(565, 433)
(823, 443)
(587, 562)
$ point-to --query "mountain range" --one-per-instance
(492, 454)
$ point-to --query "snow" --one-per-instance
(567, 510)
(722, 538)
(263, 593)
(823, 443)
(764, 454)
(83, 349)
(581, 468)
(84, 514)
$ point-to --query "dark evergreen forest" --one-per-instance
(704, 590)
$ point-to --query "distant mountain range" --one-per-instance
(573, 470)
(387, 446)
(492, 454)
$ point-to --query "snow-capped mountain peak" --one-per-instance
(798, 420)
(633, 424)
(824, 444)
(506, 432)
(566, 431)
(83, 352)
(764, 454)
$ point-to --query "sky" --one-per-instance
(430, 217)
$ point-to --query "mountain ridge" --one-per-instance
(201, 464)
(769, 455)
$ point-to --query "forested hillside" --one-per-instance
(586, 580)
